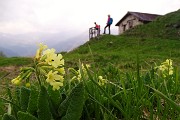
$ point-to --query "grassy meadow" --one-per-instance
(15, 61)
(134, 76)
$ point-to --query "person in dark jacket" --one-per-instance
(108, 24)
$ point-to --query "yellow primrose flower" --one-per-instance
(77, 73)
(38, 54)
(168, 62)
(42, 46)
(100, 77)
(61, 70)
(166, 67)
(79, 77)
(170, 71)
(61, 78)
(57, 60)
(84, 71)
(39, 51)
(56, 85)
(16, 81)
(83, 68)
(55, 80)
(50, 55)
(162, 67)
(88, 66)
(49, 51)
(52, 76)
(101, 81)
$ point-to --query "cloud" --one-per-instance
(23, 16)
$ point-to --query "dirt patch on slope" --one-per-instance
(8, 73)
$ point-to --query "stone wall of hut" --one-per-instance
(128, 23)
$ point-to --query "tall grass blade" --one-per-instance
(106, 94)
(175, 105)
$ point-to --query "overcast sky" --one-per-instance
(54, 16)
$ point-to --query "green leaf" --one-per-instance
(43, 105)
(54, 97)
(8, 117)
(25, 116)
(73, 104)
(32, 105)
(15, 103)
(24, 98)
(54, 101)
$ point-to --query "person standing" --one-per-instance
(108, 24)
(97, 27)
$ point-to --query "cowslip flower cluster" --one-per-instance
(53, 65)
(166, 68)
(25, 73)
(101, 81)
(48, 65)
(79, 72)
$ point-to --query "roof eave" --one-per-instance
(117, 24)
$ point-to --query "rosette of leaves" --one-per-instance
(46, 104)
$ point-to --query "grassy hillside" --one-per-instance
(15, 61)
(153, 42)
(122, 51)
(167, 26)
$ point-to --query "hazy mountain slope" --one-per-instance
(26, 44)
(71, 43)
(7, 52)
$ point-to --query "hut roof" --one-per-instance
(142, 16)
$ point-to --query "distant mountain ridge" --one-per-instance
(8, 52)
(26, 44)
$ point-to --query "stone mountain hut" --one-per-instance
(132, 19)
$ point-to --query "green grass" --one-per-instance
(125, 95)
(15, 61)
(122, 51)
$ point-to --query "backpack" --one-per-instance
(110, 21)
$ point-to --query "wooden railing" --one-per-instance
(93, 33)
